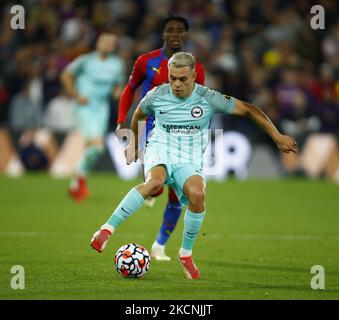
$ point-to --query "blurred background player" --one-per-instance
(91, 80)
(150, 70)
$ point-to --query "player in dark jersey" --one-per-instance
(150, 70)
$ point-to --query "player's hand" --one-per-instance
(131, 154)
(81, 100)
(121, 131)
(286, 144)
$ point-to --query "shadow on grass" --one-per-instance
(267, 268)
(263, 267)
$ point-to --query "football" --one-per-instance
(132, 260)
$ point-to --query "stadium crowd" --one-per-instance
(264, 52)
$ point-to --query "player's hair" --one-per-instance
(182, 59)
(106, 33)
(175, 18)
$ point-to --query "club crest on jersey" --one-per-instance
(197, 112)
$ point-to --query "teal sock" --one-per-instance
(131, 203)
(192, 225)
(89, 159)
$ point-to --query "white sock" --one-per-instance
(74, 183)
(158, 245)
(108, 227)
(184, 253)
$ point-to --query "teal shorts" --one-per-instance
(92, 121)
(177, 173)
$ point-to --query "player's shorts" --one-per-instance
(92, 121)
(177, 173)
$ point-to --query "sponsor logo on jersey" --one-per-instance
(183, 129)
(156, 70)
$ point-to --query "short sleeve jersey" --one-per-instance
(181, 125)
(95, 78)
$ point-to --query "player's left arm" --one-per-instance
(284, 143)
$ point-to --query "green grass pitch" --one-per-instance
(259, 240)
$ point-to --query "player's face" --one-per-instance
(106, 43)
(182, 81)
(174, 35)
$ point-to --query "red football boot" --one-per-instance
(190, 269)
(81, 192)
(100, 239)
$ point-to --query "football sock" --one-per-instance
(192, 225)
(77, 182)
(131, 203)
(89, 159)
(169, 222)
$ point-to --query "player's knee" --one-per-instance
(196, 197)
(154, 186)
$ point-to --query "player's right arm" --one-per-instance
(136, 78)
(144, 109)
(67, 79)
(131, 152)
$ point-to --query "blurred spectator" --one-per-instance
(225, 58)
(4, 99)
(330, 44)
(294, 110)
(78, 28)
(50, 79)
(261, 51)
(37, 149)
(24, 113)
(43, 21)
(59, 114)
(66, 10)
(32, 157)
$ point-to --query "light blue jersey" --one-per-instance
(181, 125)
(180, 135)
(95, 79)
